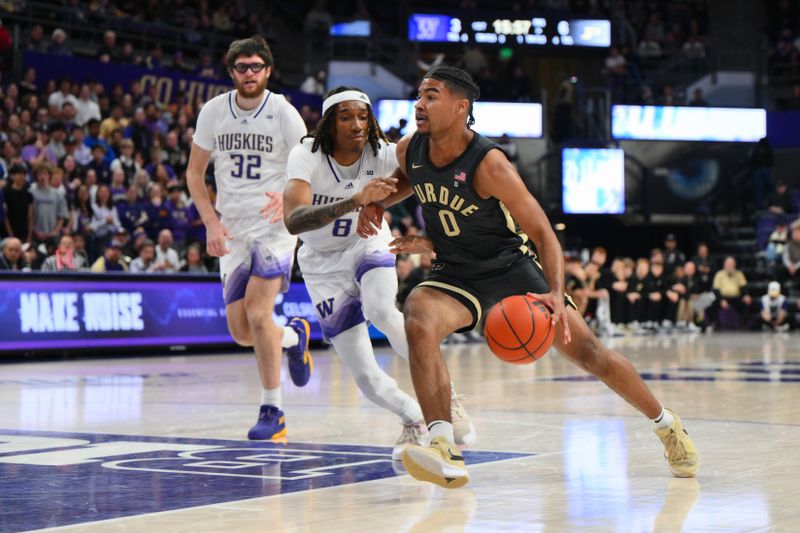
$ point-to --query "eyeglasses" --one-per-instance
(241, 68)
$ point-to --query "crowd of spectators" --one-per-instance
(668, 293)
(645, 35)
(206, 64)
(95, 179)
(193, 23)
(783, 51)
(663, 293)
(90, 179)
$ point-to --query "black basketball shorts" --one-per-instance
(480, 293)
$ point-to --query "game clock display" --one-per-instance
(534, 31)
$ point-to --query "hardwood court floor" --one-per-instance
(157, 444)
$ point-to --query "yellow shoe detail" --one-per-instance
(679, 450)
(440, 463)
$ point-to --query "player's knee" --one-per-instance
(416, 321)
(259, 319)
(379, 314)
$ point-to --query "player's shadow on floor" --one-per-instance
(449, 510)
(680, 498)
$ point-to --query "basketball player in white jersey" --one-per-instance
(331, 174)
(249, 133)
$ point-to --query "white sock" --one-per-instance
(440, 428)
(271, 397)
(664, 420)
(290, 338)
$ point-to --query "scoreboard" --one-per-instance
(529, 32)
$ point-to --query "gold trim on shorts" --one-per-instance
(458, 290)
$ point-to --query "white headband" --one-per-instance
(337, 98)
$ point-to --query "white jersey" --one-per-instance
(331, 182)
(249, 149)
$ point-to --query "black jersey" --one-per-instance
(471, 235)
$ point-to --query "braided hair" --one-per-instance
(325, 133)
(458, 81)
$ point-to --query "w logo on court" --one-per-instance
(325, 308)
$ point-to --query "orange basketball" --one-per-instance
(519, 329)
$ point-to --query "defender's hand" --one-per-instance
(274, 207)
(376, 190)
(370, 219)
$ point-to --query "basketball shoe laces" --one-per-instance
(412, 433)
(457, 412)
(674, 448)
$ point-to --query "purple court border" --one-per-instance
(128, 341)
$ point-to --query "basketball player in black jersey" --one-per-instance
(472, 200)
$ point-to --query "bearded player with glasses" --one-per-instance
(249, 132)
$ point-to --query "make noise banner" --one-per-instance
(94, 311)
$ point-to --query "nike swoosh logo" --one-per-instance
(455, 457)
(414, 165)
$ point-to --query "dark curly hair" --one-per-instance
(324, 135)
(458, 81)
(255, 45)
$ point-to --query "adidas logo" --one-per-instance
(269, 116)
(244, 121)
(348, 186)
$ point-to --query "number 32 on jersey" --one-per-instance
(246, 166)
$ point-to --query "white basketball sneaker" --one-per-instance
(464, 432)
(413, 433)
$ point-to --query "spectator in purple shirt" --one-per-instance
(197, 230)
(157, 168)
(158, 215)
(179, 218)
(131, 210)
(38, 152)
(153, 121)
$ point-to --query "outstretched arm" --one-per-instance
(371, 216)
(300, 216)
